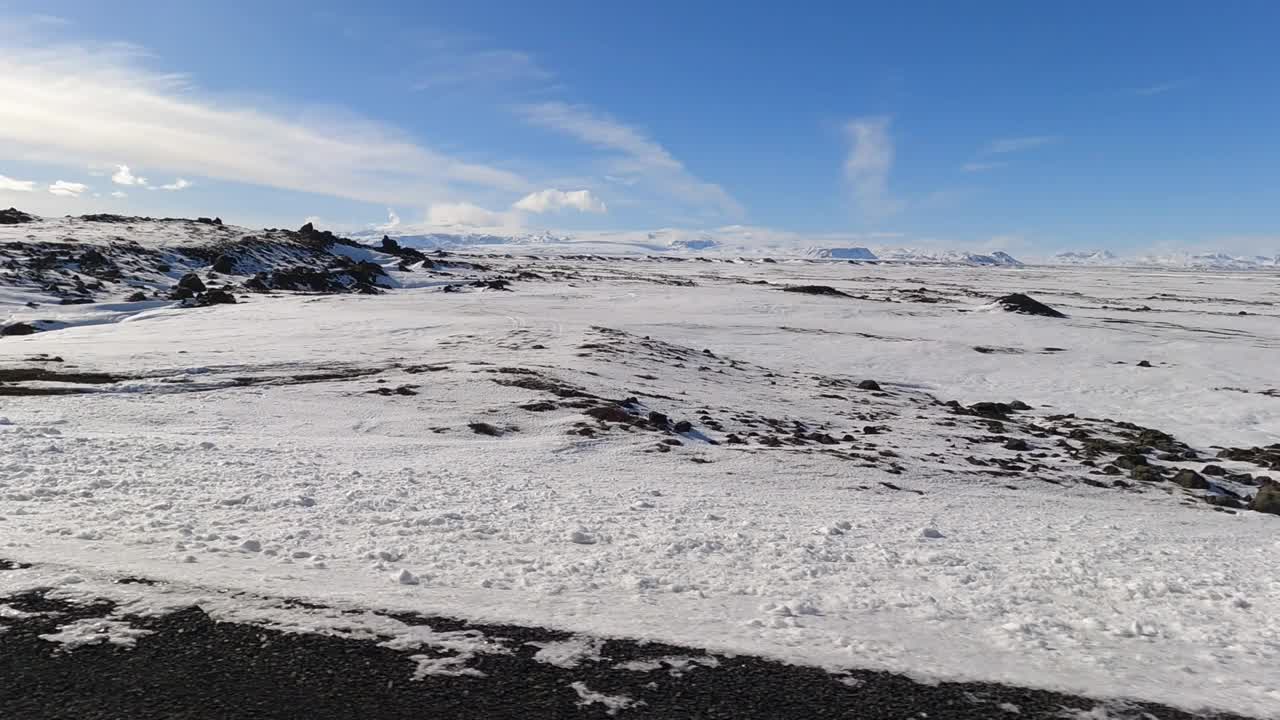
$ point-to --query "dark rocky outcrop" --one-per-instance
(215, 297)
(224, 264)
(191, 282)
(1027, 305)
(18, 328)
(14, 216)
(1191, 480)
(816, 290)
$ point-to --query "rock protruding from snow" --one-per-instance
(1267, 500)
(14, 216)
(18, 328)
(1027, 305)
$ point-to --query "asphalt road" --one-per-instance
(194, 667)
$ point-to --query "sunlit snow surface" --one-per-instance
(189, 473)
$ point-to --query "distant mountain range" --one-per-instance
(726, 242)
(1221, 261)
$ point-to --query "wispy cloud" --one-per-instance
(635, 156)
(119, 194)
(551, 200)
(868, 165)
(974, 167)
(11, 185)
(1160, 89)
(463, 69)
(81, 105)
(62, 188)
(1018, 144)
(179, 184)
(463, 214)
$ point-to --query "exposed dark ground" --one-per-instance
(195, 667)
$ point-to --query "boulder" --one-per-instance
(1146, 473)
(18, 328)
(225, 264)
(868, 385)
(1129, 462)
(1191, 479)
(1268, 499)
(191, 282)
(1027, 305)
(215, 297)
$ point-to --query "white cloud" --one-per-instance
(393, 222)
(463, 214)
(119, 194)
(11, 185)
(62, 188)
(550, 200)
(637, 157)
(124, 176)
(1018, 144)
(178, 184)
(982, 166)
(868, 165)
(92, 105)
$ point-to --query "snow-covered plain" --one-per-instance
(247, 449)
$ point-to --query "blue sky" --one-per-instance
(1032, 127)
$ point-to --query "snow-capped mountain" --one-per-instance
(845, 253)
(947, 257)
(1085, 257)
(1213, 260)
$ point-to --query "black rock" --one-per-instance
(483, 428)
(1146, 473)
(14, 216)
(18, 328)
(225, 264)
(1129, 462)
(815, 290)
(1144, 364)
(1027, 305)
(181, 293)
(659, 419)
(215, 297)
(1017, 444)
(136, 297)
(1267, 500)
(191, 282)
(993, 410)
(91, 258)
(1213, 470)
(1224, 501)
(1019, 405)
(1191, 479)
(610, 413)
(868, 385)
(389, 245)
(683, 426)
